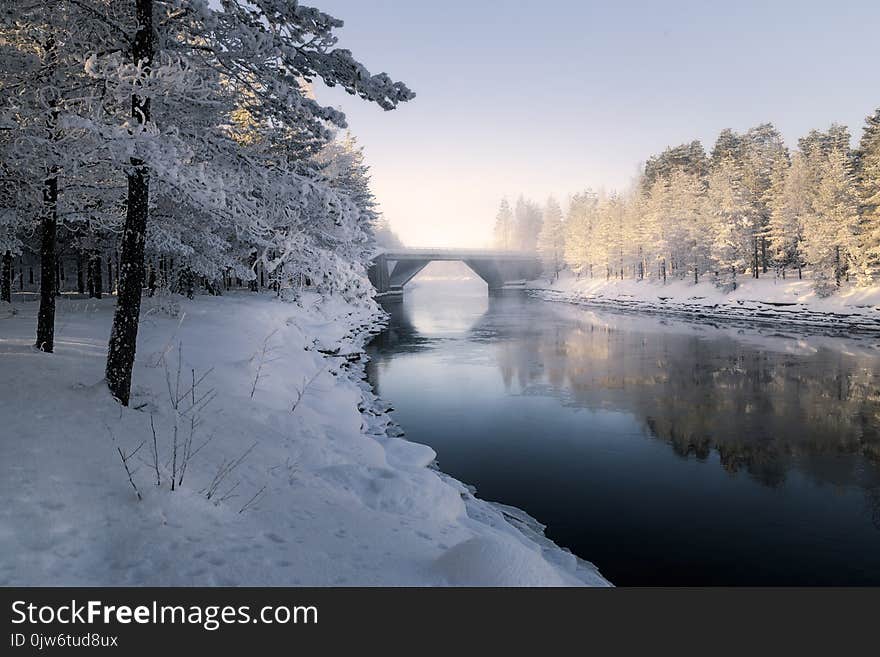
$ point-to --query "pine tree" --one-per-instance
(579, 232)
(689, 158)
(731, 221)
(504, 226)
(689, 234)
(831, 231)
(868, 180)
(551, 241)
(763, 149)
(268, 51)
(123, 334)
(791, 202)
(527, 225)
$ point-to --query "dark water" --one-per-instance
(668, 453)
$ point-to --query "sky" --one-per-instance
(555, 97)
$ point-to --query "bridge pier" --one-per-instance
(501, 270)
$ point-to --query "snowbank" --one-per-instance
(312, 488)
(769, 300)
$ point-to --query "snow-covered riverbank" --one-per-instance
(293, 478)
(767, 301)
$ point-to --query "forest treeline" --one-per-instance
(748, 207)
(177, 144)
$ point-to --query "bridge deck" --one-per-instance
(392, 269)
(452, 254)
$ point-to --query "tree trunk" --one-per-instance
(123, 335)
(837, 265)
(48, 228)
(755, 267)
(764, 254)
(90, 275)
(6, 283)
(98, 276)
(80, 281)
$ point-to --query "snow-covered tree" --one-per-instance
(731, 221)
(551, 241)
(503, 232)
(192, 126)
(689, 158)
(868, 180)
(791, 203)
(763, 149)
(688, 235)
(527, 225)
(831, 231)
(579, 224)
(190, 54)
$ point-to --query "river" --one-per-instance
(666, 452)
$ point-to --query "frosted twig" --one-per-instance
(155, 452)
(224, 470)
(125, 458)
(257, 496)
(264, 351)
(167, 346)
(302, 391)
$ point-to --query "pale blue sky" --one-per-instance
(552, 97)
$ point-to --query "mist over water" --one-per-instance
(665, 452)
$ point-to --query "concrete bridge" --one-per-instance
(394, 268)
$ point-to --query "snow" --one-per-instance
(486, 561)
(329, 495)
(768, 300)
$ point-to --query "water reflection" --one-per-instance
(763, 410)
(575, 394)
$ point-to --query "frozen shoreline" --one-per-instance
(765, 302)
(340, 499)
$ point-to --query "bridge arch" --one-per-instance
(391, 270)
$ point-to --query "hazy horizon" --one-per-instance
(514, 99)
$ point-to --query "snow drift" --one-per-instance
(312, 488)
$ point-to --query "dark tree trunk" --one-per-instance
(20, 274)
(755, 267)
(109, 275)
(764, 254)
(58, 276)
(123, 335)
(837, 265)
(80, 281)
(98, 275)
(48, 228)
(151, 281)
(6, 283)
(90, 275)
